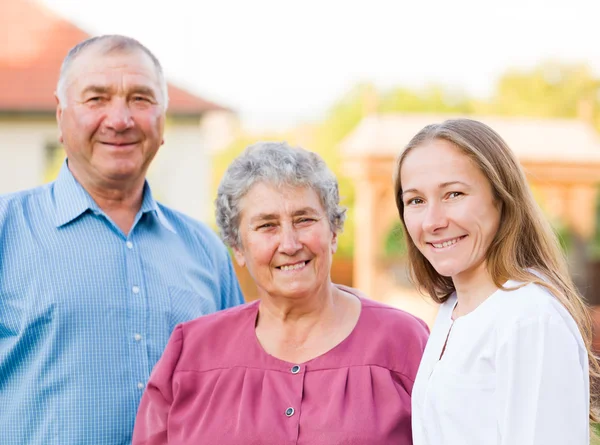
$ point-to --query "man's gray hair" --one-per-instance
(109, 43)
(278, 164)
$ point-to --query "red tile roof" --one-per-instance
(33, 43)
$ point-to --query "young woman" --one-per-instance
(509, 360)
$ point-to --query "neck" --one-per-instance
(280, 309)
(120, 201)
(472, 289)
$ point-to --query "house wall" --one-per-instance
(180, 174)
(23, 152)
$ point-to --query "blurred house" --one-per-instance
(33, 43)
(561, 159)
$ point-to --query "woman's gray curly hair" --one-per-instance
(280, 164)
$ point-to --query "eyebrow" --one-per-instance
(145, 91)
(99, 89)
(95, 89)
(272, 216)
(443, 185)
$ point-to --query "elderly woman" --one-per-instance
(509, 358)
(310, 362)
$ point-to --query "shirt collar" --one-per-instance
(72, 200)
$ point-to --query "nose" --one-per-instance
(118, 117)
(435, 218)
(289, 243)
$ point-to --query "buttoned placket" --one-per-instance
(291, 413)
(138, 307)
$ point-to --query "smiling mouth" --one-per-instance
(119, 144)
(448, 243)
(296, 266)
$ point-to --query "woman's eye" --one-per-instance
(266, 226)
(454, 194)
(414, 201)
(140, 99)
(304, 220)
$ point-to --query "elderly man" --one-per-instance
(94, 273)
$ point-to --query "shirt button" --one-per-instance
(289, 412)
(295, 369)
(129, 244)
(137, 337)
(140, 385)
(135, 290)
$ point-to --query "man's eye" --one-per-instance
(266, 226)
(140, 99)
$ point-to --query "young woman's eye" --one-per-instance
(454, 194)
(414, 201)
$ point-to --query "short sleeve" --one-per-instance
(541, 386)
(153, 412)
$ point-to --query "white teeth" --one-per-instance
(294, 267)
(445, 243)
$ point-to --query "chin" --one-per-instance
(447, 270)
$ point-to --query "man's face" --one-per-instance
(112, 122)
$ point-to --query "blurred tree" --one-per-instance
(55, 156)
(551, 89)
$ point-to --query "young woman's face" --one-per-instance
(449, 208)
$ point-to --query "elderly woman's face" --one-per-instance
(286, 241)
(449, 208)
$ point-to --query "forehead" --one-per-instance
(438, 161)
(271, 199)
(95, 66)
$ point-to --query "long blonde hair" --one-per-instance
(525, 241)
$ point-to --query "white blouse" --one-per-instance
(514, 372)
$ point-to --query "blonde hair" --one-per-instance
(525, 241)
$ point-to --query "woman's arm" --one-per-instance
(153, 412)
(541, 385)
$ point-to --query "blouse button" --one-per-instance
(289, 412)
(295, 369)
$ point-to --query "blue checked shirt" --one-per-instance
(85, 311)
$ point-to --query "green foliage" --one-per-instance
(395, 242)
(549, 90)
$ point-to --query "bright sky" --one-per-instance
(280, 62)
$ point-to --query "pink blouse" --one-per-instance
(216, 385)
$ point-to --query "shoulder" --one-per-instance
(17, 201)
(196, 231)
(389, 318)
(528, 306)
(520, 302)
(225, 319)
(388, 337)
(215, 337)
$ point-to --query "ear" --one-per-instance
(59, 112)
(334, 243)
(239, 256)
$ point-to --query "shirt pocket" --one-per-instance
(187, 305)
